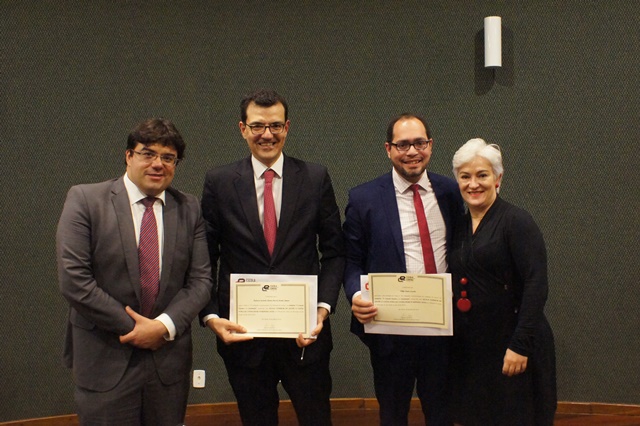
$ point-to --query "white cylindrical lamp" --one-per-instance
(492, 42)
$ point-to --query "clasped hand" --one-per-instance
(146, 334)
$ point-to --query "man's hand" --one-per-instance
(146, 334)
(513, 363)
(363, 310)
(228, 331)
(302, 341)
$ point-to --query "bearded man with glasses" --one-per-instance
(402, 222)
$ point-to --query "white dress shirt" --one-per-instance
(258, 180)
(409, 224)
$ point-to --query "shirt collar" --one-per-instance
(402, 185)
(259, 168)
(135, 195)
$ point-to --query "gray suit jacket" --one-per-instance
(98, 275)
(309, 222)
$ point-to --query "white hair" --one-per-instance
(478, 148)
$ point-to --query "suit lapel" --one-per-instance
(122, 207)
(246, 191)
(442, 204)
(170, 221)
(292, 185)
(390, 205)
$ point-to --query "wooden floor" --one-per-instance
(585, 414)
(592, 420)
(361, 411)
(353, 412)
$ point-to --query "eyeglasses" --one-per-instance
(150, 157)
(419, 144)
(259, 128)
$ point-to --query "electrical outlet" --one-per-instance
(198, 379)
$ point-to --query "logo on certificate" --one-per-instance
(245, 280)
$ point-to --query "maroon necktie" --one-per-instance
(425, 239)
(149, 258)
(270, 223)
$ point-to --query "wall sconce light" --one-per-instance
(492, 42)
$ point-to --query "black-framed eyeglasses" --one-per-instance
(419, 144)
(259, 128)
(150, 157)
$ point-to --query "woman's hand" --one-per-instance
(514, 363)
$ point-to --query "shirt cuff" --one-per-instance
(325, 305)
(171, 328)
(208, 317)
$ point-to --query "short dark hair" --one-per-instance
(406, 116)
(157, 130)
(263, 98)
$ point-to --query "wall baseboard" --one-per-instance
(346, 409)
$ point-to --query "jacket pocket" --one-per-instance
(79, 321)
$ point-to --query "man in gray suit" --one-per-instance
(307, 222)
(134, 268)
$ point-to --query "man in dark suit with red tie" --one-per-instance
(402, 222)
(273, 214)
(133, 266)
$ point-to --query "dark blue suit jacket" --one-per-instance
(373, 236)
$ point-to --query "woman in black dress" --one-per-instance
(503, 355)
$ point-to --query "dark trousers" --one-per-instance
(414, 361)
(139, 399)
(256, 389)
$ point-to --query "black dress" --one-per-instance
(505, 266)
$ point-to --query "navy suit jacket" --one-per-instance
(309, 223)
(373, 236)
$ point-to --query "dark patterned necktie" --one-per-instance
(149, 258)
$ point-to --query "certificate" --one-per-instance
(274, 305)
(409, 304)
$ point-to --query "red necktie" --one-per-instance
(423, 227)
(149, 258)
(270, 223)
